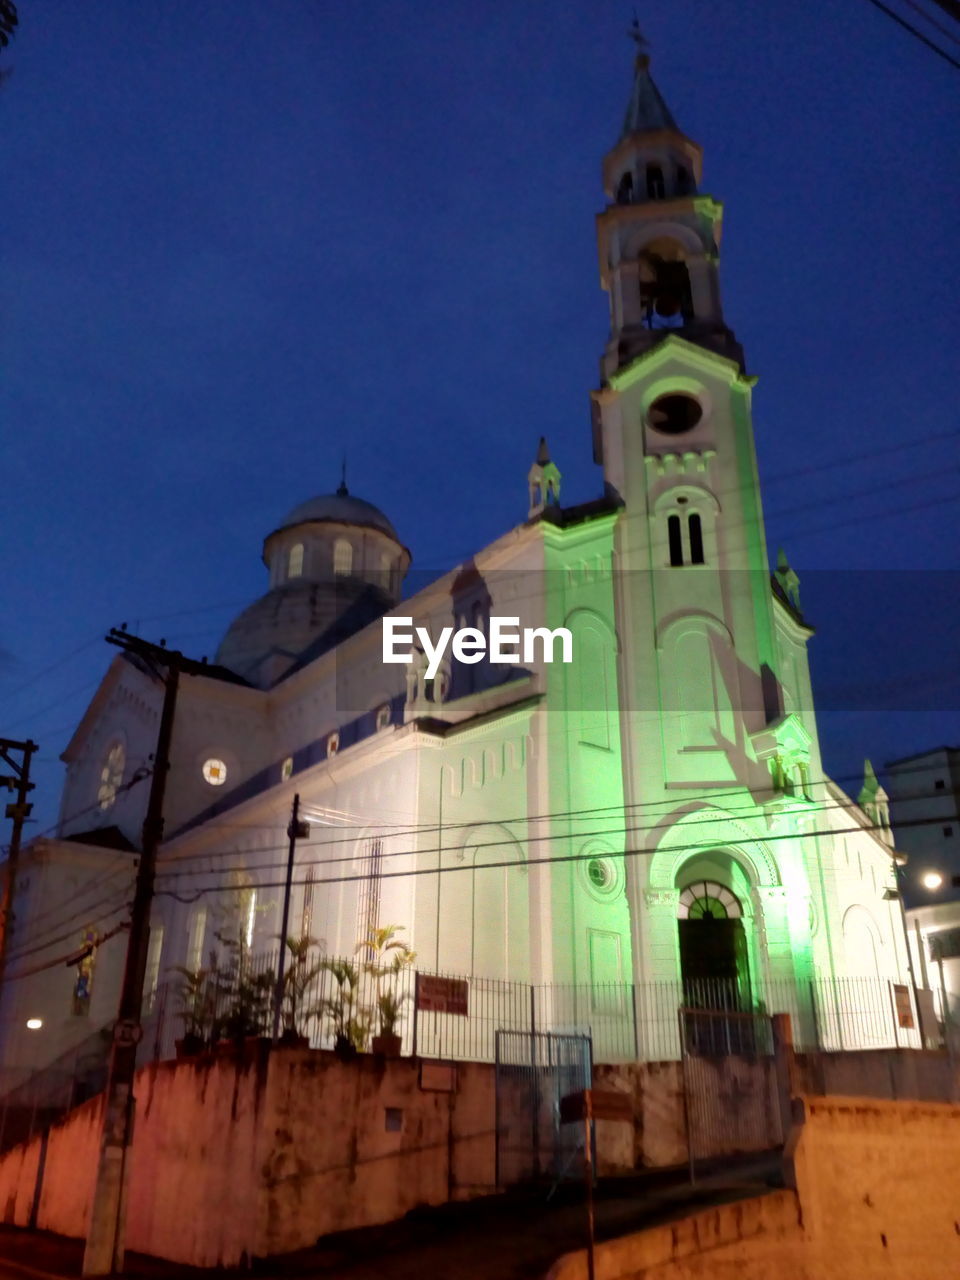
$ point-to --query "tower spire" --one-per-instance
(343, 491)
(646, 111)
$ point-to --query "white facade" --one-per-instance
(534, 823)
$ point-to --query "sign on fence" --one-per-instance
(902, 1002)
(441, 995)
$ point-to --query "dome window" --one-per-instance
(295, 561)
(342, 558)
(215, 772)
(333, 745)
(383, 716)
(111, 775)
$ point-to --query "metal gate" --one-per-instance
(731, 1098)
(534, 1071)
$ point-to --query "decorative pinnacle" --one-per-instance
(343, 491)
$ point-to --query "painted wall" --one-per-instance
(875, 1196)
(297, 1144)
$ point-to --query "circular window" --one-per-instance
(599, 874)
(214, 772)
(707, 900)
(111, 775)
(675, 413)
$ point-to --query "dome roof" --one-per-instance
(341, 507)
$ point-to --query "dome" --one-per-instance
(341, 507)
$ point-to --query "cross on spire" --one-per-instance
(639, 39)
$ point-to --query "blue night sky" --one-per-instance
(241, 239)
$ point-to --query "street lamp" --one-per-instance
(931, 880)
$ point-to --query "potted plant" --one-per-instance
(347, 1021)
(387, 957)
(243, 994)
(196, 1010)
(298, 977)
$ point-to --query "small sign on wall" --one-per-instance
(441, 995)
(903, 1005)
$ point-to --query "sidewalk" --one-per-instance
(511, 1237)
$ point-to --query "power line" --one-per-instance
(536, 862)
(932, 21)
(878, 4)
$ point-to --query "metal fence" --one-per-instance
(339, 999)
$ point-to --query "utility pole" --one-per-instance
(296, 830)
(19, 781)
(105, 1237)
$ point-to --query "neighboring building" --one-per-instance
(925, 812)
(654, 812)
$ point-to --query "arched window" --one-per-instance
(625, 189)
(342, 558)
(696, 538)
(295, 561)
(684, 183)
(707, 900)
(676, 540)
(655, 189)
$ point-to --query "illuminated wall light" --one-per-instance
(931, 879)
(34, 1024)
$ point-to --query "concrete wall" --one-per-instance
(296, 1143)
(876, 1196)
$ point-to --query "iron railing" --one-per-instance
(627, 1022)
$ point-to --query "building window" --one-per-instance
(383, 716)
(286, 769)
(625, 189)
(676, 540)
(683, 180)
(342, 558)
(655, 189)
(939, 785)
(195, 938)
(306, 915)
(696, 538)
(248, 914)
(111, 775)
(948, 831)
(151, 977)
(368, 910)
(83, 983)
(708, 900)
(295, 561)
(333, 745)
(214, 772)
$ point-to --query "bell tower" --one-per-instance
(659, 239)
(711, 745)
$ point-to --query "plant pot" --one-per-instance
(294, 1040)
(191, 1046)
(344, 1048)
(387, 1044)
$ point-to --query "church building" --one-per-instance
(649, 816)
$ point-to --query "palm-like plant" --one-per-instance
(347, 1020)
(196, 997)
(386, 958)
(297, 979)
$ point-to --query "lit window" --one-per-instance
(333, 744)
(342, 558)
(111, 775)
(151, 980)
(248, 914)
(286, 769)
(383, 716)
(195, 938)
(214, 772)
(295, 562)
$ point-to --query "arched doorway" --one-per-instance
(714, 962)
